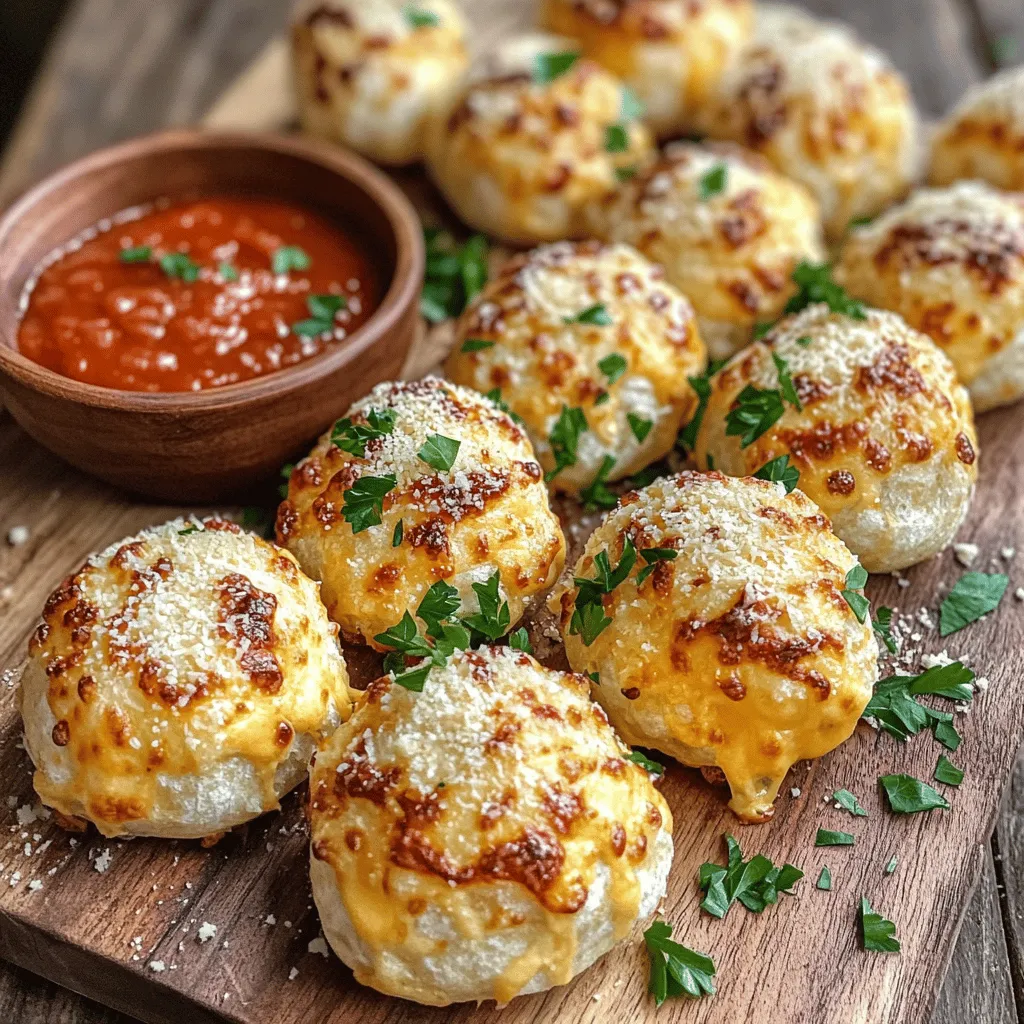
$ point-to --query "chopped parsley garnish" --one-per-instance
(136, 254)
(702, 388)
(439, 452)
(756, 411)
(652, 556)
(227, 271)
(616, 138)
(975, 594)
(177, 264)
(258, 520)
(895, 707)
(882, 625)
(786, 385)
(322, 311)
(641, 427)
(848, 802)
(549, 66)
(493, 620)
(476, 345)
(947, 772)
(804, 341)
(856, 580)
(353, 437)
(588, 618)
(908, 795)
(755, 883)
(289, 257)
(859, 222)
(632, 108)
(826, 837)
(520, 641)
(189, 530)
(780, 471)
(814, 283)
(596, 494)
(602, 397)
(649, 765)
(564, 439)
(396, 537)
(454, 274)
(439, 604)
(405, 638)
(364, 501)
(624, 174)
(420, 19)
(825, 880)
(595, 678)
(877, 934)
(595, 316)
(676, 970)
(891, 866)
(494, 395)
(712, 182)
(613, 366)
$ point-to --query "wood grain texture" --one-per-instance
(933, 51)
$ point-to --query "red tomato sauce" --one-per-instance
(186, 297)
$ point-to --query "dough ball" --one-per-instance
(738, 650)
(826, 109)
(533, 142)
(623, 369)
(371, 74)
(983, 137)
(728, 229)
(382, 521)
(179, 682)
(671, 53)
(951, 263)
(885, 440)
(484, 838)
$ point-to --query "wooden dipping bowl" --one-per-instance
(207, 445)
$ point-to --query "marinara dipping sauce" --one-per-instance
(196, 295)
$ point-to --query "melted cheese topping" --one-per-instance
(672, 53)
(484, 836)
(741, 652)
(885, 442)
(372, 77)
(520, 159)
(174, 675)
(823, 107)
(951, 263)
(983, 137)
(732, 253)
(541, 363)
(488, 513)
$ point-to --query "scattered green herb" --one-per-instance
(289, 257)
(712, 182)
(588, 618)
(908, 795)
(454, 274)
(755, 411)
(418, 18)
(439, 452)
(848, 802)
(399, 533)
(493, 620)
(322, 311)
(895, 707)
(826, 837)
(676, 970)
(353, 437)
(947, 772)
(882, 625)
(702, 388)
(641, 427)
(780, 470)
(495, 396)
(632, 108)
(652, 556)
(755, 883)
(364, 501)
(877, 934)
(654, 767)
(613, 367)
(825, 880)
(975, 594)
(227, 272)
(564, 439)
(891, 866)
(814, 283)
(177, 264)
(856, 580)
(136, 254)
(595, 316)
(549, 66)
(476, 345)
(596, 494)
(520, 641)
(786, 385)
(616, 138)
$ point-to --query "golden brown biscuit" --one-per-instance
(883, 439)
(484, 838)
(380, 521)
(728, 229)
(726, 642)
(179, 682)
(372, 74)
(589, 330)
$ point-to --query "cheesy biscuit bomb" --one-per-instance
(422, 481)
(826, 109)
(951, 263)
(728, 229)
(591, 348)
(709, 612)
(485, 838)
(371, 74)
(871, 415)
(536, 138)
(671, 53)
(179, 682)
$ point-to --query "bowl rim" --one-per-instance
(405, 283)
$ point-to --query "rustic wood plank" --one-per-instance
(1009, 847)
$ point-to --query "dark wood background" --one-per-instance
(117, 68)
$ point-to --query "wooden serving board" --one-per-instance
(119, 921)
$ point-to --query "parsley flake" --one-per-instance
(564, 439)
(616, 138)
(594, 316)
(825, 880)
(814, 283)
(136, 254)
(632, 108)
(439, 452)
(908, 795)
(877, 934)
(476, 345)
(227, 272)
(494, 395)
(652, 556)
(493, 620)
(848, 802)
(786, 385)
(891, 866)
(396, 537)
(826, 837)
(178, 264)
(882, 625)
(613, 367)
(289, 257)
(624, 174)
(975, 594)
(352, 437)
(895, 707)
(454, 274)
(755, 883)
(947, 772)
(648, 765)
(780, 471)
(676, 970)
(549, 66)
(712, 182)
(856, 580)
(364, 501)
(754, 413)
(597, 494)
(702, 388)
(588, 618)
(417, 18)
(520, 641)
(641, 427)
(322, 311)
